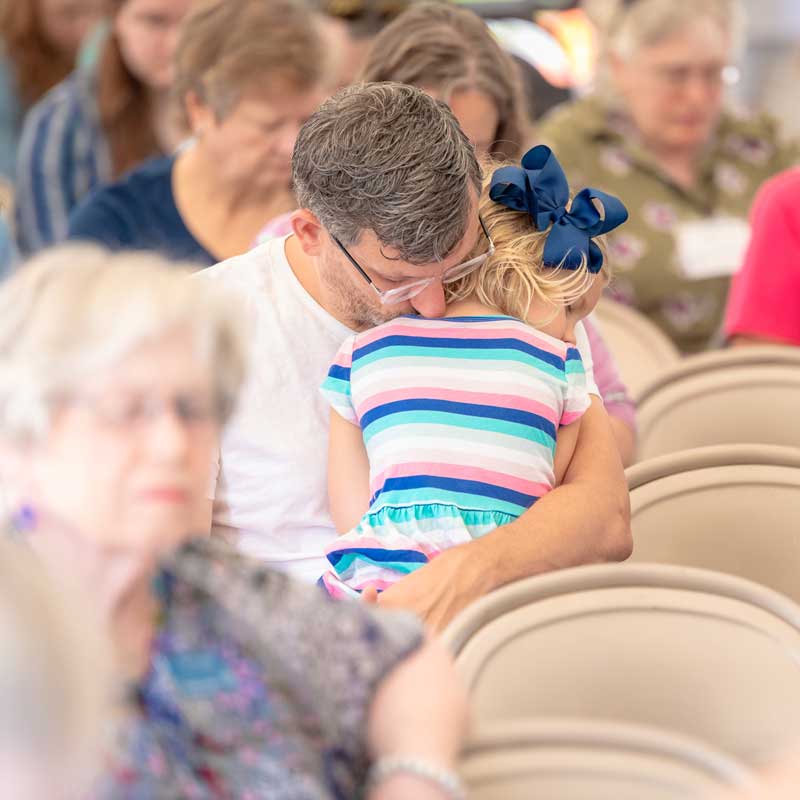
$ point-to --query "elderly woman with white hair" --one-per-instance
(657, 134)
(116, 375)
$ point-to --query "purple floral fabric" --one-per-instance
(258, 687)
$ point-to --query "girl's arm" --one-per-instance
(566, 441)
(348, 473)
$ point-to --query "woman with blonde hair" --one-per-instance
(656, 132)
(100, 122)
(39, 42)
(117, 374)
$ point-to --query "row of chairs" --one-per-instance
(654, 681)
(671, 676)
(746, 394)
(691, 655)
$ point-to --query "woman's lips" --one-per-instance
(172, 495)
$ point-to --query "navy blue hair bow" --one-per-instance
(540, 187)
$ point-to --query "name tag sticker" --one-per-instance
(201, 673)
(711, 248)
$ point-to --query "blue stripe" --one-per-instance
(378, 556)
(91, 165)
(42, 233)
(67, 166)
(456, 485)
(526, 418)
(429, 495)
(573, 354)
(459, 422)
(435, 343)
(340, 373)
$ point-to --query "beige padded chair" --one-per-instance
(557, 759)
(708, 655)
(732, 508)
(745, 394)
(641, 350)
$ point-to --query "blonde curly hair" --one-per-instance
(515, 276)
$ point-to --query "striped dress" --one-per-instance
(459, 419)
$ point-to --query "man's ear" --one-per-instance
(308, 230)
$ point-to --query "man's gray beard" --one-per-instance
(370, 317)
(356, 308)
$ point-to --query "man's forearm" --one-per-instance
(625, 438)
(585, 520)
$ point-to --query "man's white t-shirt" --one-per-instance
(271, 497)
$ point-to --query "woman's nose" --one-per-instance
(169, 435)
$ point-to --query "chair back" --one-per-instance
(708, 655)
(563, 759)
(743, 395)
(732, 508)
(640, 348)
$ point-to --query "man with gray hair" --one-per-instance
(388, 188)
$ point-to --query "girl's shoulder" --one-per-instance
(484, 331)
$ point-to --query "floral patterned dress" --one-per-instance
(597, 147)
(258, 687)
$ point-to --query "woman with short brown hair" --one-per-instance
(449, 52)
(247, 75)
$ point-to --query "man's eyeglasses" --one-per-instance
(677, 76)
(413, 288)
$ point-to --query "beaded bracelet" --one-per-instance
(444, 778)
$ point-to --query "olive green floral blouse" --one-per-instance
(597, 148)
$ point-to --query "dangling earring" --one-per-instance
(24, 518)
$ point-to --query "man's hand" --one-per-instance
(440, 589)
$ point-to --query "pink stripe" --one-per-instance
(461, 472)
(569, 417)
(511, 401)
(343, 360)
(465, 330)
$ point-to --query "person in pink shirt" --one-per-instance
(764, 300)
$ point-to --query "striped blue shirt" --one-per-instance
(10, 117)
(63, 155)
(7, 254)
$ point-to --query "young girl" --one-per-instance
(466, 421)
